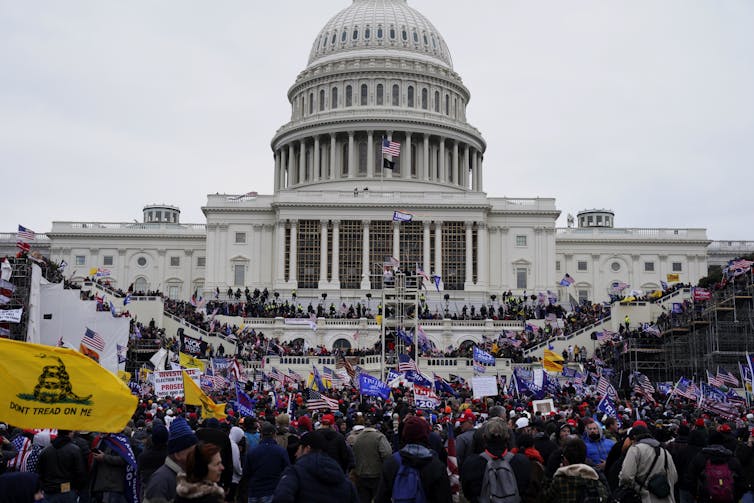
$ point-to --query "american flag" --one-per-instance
(316, 400)
(452, 461)
(725, 410)
(727, 377)
(714, 380)
(93, 340)
(406, 364)
(23, 246)
(687, 389)
(295, 375)
(643, 386)
(605, 388)
(391, 148)
(277, 375)
(25, 234)
(342, 363)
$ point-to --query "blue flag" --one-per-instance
(418, 378)
(442, 386)
(483, 356)
(607, 406)
(121, 446)
(244, 402)
(371, 386)
(318, 380)
(405, 337)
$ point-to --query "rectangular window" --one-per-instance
(80, 260)
(240, 237)
(583, 296)
(581, 265)
(308, 255)
(520, 240)
(351, 239)
(649, 266)
(239, 274)
(380, 248)
(677, 267)
(521, 278)
(557, 265)
(175, 261)
(454, 255)
(107, 260)
(201, 261)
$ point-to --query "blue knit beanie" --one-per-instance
(181, 436)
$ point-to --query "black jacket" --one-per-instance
(473, 470)
(433, 473)
(149, 461)
(61, 463)
(717, 454)
(315, 478)
(222, 440)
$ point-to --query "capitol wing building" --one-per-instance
(379, 72)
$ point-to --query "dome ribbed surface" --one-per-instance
(375, 28)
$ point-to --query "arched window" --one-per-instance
(404, 34)
(434, 43)
(140, 285)
(364, 95)
(416, 37)
(334, 98)
(349, 96)
(426, 42)
(447, 104)
(321, 100)
(311, 103)
(343, 35)
(424, 98)
(379, 32)
(362, 158)
(355, 35)
(392, 33)
(437, 101)
(342, 344)
(410, 96)
(334, 38)
(380, 94)
(344, 160)
(396, 95)
(367, 33)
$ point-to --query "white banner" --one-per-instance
(11, 315)
(484, 386)
(170, 382)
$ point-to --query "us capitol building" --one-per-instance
(378, 70)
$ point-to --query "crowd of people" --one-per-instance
(369, 449)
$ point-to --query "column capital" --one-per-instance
(469, 224)
(351, 134)
(427, 223)
(335, 222)
(365, 223)
(481, 225)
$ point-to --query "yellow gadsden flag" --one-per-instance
(188, 361)
(673, 277)
(551, 361)
(195, 396)
(51, 387)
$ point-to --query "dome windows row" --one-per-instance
(379, 94)
(392, 35)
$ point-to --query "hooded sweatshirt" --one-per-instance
(315, 478)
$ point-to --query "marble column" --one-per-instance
(406, 155)
(336, 254)
(323, 255)
(465, 168)
(277, 171)
(397, 240)
(474, 171)
(456, 174)
(315, 160)
(426, 259)
(483, 255)
(302, 162)
(425, 160)
(333, 156)
(293, 264)
(438, 251)
(292, 174)
(370, 154)
(351, 152)
(284, 168)
(469, 280)
(480, 170)
(443, 168)
(366, 283)
(280, 273)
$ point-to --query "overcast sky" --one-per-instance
(645, 107)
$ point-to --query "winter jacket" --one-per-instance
(219, 438)
(370, 450)
(433, 473)
(697, 441)
(315, 478)
(597, 450)
(265, 464)
(110, 473)
(745, 455)
(197, 492)
(337, 448)
(149, 462)
(236, 435)
(636, 465)
(473, 470)
(463, 447)
(161, 488)
(61, 463)
(716, 454)
(571, 483)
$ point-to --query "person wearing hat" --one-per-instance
(370, 450)
(154, 455)
(644, 459)
(211, 432)
(416, 454)
(464, 439)
(264, 466)
(315, 477)
(336, 444)
(574, 479)
(181, 440)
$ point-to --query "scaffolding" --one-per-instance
(718, 334)
(21, 279)
(400, 304)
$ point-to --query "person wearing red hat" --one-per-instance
(464, 439)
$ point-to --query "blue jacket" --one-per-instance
(315, 478)
(597, 451)
(265, 464)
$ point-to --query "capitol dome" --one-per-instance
(380, 27)
(378, 71)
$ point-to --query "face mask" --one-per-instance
(594, 436)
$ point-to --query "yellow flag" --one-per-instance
(190, 362)
(551, 361)
(673, 278)
(51, 387)
(195, 396)
(124, 376)
(92, 271)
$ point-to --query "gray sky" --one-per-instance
(642, 106)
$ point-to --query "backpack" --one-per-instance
(718, 482)
(407, 486)
(499, 482)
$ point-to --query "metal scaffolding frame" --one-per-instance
(400, 307)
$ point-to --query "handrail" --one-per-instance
(567, 337)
